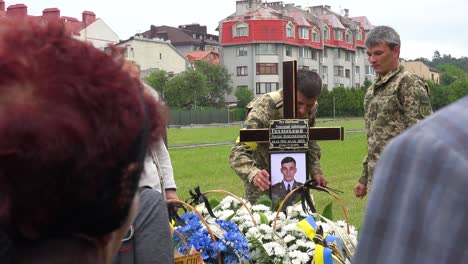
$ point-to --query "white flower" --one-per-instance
(299, 257)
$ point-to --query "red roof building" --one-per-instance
(89, 29)
(260, 35)
(208, 55)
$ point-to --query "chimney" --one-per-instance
(51, 14)
(346, 12)
(88, 18)
(327, 7)
(18, 10)
(2, 5)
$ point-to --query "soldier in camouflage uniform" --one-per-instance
(396, 100)
(250, 161)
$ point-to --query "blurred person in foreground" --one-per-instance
(74, 130)
(251, 162)
(149, 239)
(417, 209)
(395, 101)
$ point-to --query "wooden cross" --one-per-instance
(261, 135)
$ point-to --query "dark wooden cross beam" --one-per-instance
(289, 110)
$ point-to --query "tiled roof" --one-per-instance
(299, 18)
(364, 22)
(333, 21)
(202, 55)
(262, 13)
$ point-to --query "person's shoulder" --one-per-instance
(277, 185)
(266, 100)
(150, 196)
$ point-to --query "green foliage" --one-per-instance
(328, 211)
(244, 95)
(345, 102)
(188, 89)
(218, 81)
(158, 80)
(263, 218)
(450, 74)
(265, 200)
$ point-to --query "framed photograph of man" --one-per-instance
(288, 171)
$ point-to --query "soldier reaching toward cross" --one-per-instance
(396, 100)
(250, 161)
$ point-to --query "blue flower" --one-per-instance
(197, 236)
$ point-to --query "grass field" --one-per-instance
(208, 167)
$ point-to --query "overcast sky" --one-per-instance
(424, 26)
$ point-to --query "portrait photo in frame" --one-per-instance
(288, 170)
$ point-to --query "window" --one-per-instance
(160, 56)
(194, 36)
(304, 52)
(315, 35)
(358, 33)
(357, 85)
(289, 51)
(348, 73)
(305, 68)
(326, 33)
(240, 29)
(314, 55)
(337, 54)
(349, 36)
(357, 70)
(266, 49)
(242, 51)
(303, 33)
(324, 71)
(266, 87)
(338, 71)
(370, 70)
(267, 68)
(290, 30)
(338, 34)
(347, 56)
(242, 71)
(325, 52)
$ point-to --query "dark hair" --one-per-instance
(309, 83)
(287, 160)
(71, 121)
(383, 34)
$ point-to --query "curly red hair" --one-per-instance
(71, 119)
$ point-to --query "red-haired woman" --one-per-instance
(74, 130)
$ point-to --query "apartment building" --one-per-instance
(260, 36)
(185, 38)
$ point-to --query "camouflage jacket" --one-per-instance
(392, 104)
(249, 159)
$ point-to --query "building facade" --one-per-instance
(153, 54)
(259, 37)
(422, 70)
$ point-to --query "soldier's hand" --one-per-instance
(320, 180)
(262, 180)
(360, 190)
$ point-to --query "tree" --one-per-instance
(158, 80)
(218, 80)
(244, 95)
(450, 73)
(188, 89)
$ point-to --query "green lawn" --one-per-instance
(208, 167)
(184, 136)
